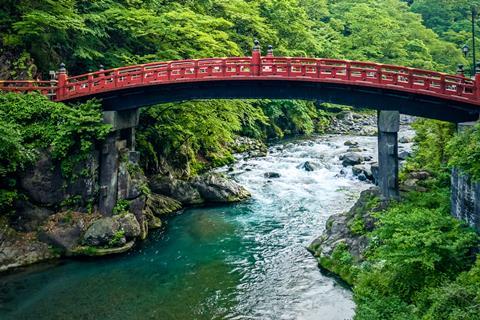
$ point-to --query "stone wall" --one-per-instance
(465, 199)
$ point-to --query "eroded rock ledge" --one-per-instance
(41, 234)
(346, 233)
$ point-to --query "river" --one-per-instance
(243, 261)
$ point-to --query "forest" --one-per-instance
(411, 272)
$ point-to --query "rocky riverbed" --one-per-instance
(45, 227)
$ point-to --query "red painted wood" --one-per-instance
(355, 73)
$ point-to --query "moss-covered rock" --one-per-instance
(343, 244)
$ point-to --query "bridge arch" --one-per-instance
(389, 89)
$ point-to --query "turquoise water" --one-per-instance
(244, 261)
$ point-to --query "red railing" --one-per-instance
(450, 87)
(48, 88)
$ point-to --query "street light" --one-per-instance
(465, 50)
(474, 16)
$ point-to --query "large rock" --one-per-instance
(106, 230)
(162, 205)
(129, 225)
(101, 232)
(43, 182)
(131, 181)
(271, 175)
(403, 155)
(64, 230)
(359, 170)
(85, 186)
(28, 217)
(307, 166)
(217, 188)
(349, 228)
(351, 159)
(180, 190)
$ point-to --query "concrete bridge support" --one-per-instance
(388, 127)
(122, 136)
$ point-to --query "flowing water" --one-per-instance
(244, 261)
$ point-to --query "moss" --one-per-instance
(341, 263)
(121, 207)
(329, 224)
(357, 226)
(117, 238)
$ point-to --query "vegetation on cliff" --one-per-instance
(419, 262)
(31, 123)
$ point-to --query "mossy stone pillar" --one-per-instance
(122, 136)
(388, 127)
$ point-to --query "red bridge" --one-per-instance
(418, 92)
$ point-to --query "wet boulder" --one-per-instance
(271, 175)
(180, 190)
(118, 229)
(214, 187)
(307, 166)
(351, 159)
(350, 143)
(362, 172)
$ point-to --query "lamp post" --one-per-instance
(474, 16)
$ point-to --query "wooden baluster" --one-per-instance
(378, 74)
(443, 84)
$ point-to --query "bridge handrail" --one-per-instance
(289, 68)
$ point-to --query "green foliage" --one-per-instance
(341, 263)
(415, 249)
(117, 238)
(30, 123)
(430, 151)
(121, 207)
(464, 152)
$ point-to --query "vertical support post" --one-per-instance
(388, 127)
(122, 136)
(474, 16)
(477, 86)
(256, 59)
(108, 179)
(61, 81)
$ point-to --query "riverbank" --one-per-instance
(38, 234)
(409, 259)
(222, 261)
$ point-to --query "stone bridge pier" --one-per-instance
(388, 127)
(121, 138)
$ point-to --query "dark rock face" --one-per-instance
(161, 205)
(217, 188)
(343, 228)
(180, 190)
(28, 216)
(130, 181)
(43, 182)
(18, 250)
(465, 199)
(64, 230)
(271, 175)
(375, 170)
